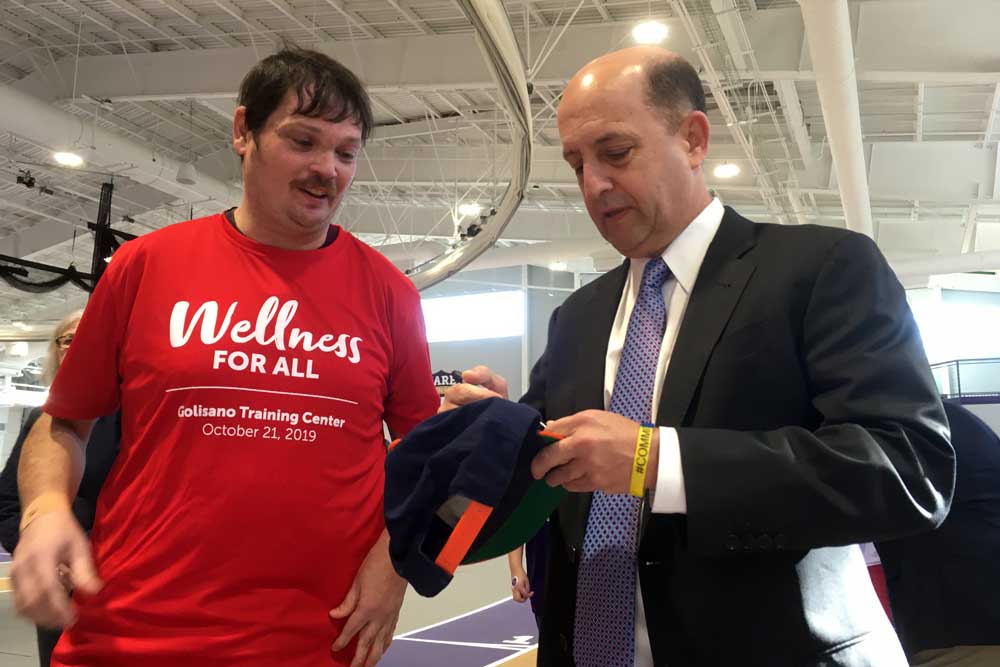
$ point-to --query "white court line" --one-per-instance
(505, 647)
(449, 620)
(265, 391)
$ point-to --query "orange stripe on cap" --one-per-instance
(394, 443)
(550, 434)
(462, 537)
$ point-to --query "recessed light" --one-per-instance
(67, 159)
(727, 170)
(650, 32)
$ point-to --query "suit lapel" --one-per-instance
(592, 330)
(723, 276)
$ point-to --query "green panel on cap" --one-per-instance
(538, 504)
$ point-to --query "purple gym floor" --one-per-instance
(483, 637)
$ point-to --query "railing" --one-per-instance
(972, 380)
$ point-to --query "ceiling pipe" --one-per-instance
(46, 125)
(828, 31)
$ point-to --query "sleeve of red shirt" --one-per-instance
(87, 385)
(412, 396)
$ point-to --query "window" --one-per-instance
(474, 316)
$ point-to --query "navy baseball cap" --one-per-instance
(459, 490)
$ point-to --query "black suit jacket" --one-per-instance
(944, 586)
(102, 449)
(808, 420)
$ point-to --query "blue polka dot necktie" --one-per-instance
(604, 627)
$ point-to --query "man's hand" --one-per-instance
(371, 606)
(477, 383)
(520, 586)
(595, 454)
(52, 555)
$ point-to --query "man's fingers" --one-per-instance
(477, 375)
(582, 484)
(346, 608)
(379, 646)
(567, 425)
(463, 394)
(565, 474)
(556, 454)
(39, 595)
(82, 572)
(351, 628)
(364, 646)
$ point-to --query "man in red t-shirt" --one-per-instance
(255, 355)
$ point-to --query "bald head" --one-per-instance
(671, 85)
(634, 131)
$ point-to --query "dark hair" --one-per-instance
(323, 86)
(674, 88)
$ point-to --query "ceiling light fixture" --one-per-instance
(557, 265)
(68, 159)
(727, 170)
(650, 32)
(187, 174)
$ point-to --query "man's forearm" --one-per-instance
(52, 463)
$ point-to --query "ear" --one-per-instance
(696, 131)
(241, 134)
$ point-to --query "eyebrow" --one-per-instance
(603, 139)
(296, 124)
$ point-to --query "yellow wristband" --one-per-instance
(43, 504)
(643, 442)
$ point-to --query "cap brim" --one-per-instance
(540, 501)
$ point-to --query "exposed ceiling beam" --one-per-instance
(449, 62)
(52, 19)
(601, 9)
(14, 39)
(920, 112)
(251, 23)
(791, 108)
(194, 19)
(412, 17)
(969, 236)
(991, 124)
(115, 29)
(289, 12)
(144, 18)
(535, 14)
(354, 18)
(180, 122)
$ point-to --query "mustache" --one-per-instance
(329, 187)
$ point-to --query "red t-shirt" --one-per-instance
(253, 382)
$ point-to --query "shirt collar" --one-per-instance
(686, 253)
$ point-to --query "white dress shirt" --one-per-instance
(683, 257)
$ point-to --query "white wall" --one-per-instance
(989, 413)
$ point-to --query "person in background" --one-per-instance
(102, 448)
(529, 584)
(944, 585)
